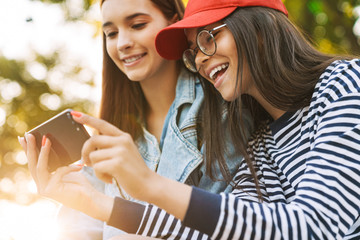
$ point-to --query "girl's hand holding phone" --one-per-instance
(65, 185)
(113, 153)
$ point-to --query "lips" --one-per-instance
(215, 71)
(133, 58)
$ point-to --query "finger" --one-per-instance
(77, 178)
(104, 141)
(73, 177)
(42, 171)
(102, 126)
(22, 142)
(56, 178)
(31, 154)
(62, 171)
(96, 143)
(101, 155)
(31, 149)
(101, 171)
(32, 167)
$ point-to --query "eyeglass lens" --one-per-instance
(189, 60)
(206, 42)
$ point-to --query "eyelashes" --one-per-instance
(138, 26)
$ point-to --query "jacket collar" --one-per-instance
(185, 88)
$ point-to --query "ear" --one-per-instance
(174, 19)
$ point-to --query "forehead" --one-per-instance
(191, 33)
(111, 9)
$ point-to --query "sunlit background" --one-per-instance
(50, 59)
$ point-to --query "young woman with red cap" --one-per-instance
(304, 151)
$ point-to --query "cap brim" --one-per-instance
(171, 41)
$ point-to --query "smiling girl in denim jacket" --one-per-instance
(156, 101)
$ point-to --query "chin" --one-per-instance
(135, 77)
(229, 97)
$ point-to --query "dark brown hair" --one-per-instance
(284, 67)
(123, 102)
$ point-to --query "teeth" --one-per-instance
(217, 69)
(132, 59)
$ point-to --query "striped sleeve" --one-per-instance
(202, 214)
(157, 223)
(327, 201)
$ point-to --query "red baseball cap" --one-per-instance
(171, 41)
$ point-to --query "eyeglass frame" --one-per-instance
(194, 51)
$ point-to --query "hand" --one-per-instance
(113, 153)
(66, 185)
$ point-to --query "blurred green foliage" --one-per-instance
(73, 10)
(27, 100)
(328, 23)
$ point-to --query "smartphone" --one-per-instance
(67, 138)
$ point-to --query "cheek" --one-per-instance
(148, 40)
(111, 49)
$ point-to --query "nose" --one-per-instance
(124, 42)
(200, 59)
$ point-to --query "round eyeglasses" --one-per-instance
(205, 41)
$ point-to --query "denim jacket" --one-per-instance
(177, 156)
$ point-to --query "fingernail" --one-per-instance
(18, 139)
(43, 141)
(76, 114)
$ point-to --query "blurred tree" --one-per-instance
(73, 9)
(31, 92)
(328, 23)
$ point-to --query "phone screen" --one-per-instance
(67, 138)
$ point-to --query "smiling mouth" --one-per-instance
(219, 69)
(133, 59)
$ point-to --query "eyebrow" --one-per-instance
(128, 18)
(200, 29)
(191, 43)
(106, 24)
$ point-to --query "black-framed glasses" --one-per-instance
(205, 41)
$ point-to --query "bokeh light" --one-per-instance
(35, 221)
(2, 116)
(46, 63)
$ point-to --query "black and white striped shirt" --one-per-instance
(308, 163)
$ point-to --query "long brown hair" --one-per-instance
(284, 66)
(123, 101)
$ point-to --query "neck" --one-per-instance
(274, 112)
(159, 93)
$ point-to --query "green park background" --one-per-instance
(328, 23)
